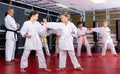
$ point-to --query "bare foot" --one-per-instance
(8, 62)
(15, 60)
(80, 69)
(78, 56)
(115, 55)
(22, 70)
(55, 55)
(102, 56)
(60, 69)
(46, 69)
(48, 55)
(89, 56)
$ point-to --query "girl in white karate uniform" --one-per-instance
(30, 31)
(82, 39)
(106, 37)
(65, 41)
(43, 36)
(11, 36)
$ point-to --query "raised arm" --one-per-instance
(95, 30)
(89, 30)
(44, 32)
(41, 28)
(53, 25)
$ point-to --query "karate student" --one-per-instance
(82, 39)
(65, 41)
(106, 38)
(11, 36)
(30, 30)
(43, 35)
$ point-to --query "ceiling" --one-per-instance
(49, 5)
(75, 6)
(87, 5)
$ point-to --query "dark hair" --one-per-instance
(9, 8)
(78, 23)
(43, 18)
(31, 14)
(65, 14)
(6, 13)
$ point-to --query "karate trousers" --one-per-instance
(10, 47)
(63, 56)
(40, 55)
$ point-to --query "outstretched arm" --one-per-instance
(53, 25)
(95, 30)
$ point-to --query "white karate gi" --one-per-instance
(82, 33)
(10, 44)
(33, 43)
(107, 40)
(65, 42)
(43, 35)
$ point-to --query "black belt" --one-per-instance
(15, 33)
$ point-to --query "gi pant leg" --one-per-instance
(13, 55)
(45, 45)
(113, 51)
(24, 59)
(10, 50)
(104, 49)
(79, 49)
(88, 49)
(62, 58)
(73, 59)
(63, 55)
(41, 59)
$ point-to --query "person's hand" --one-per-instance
(28, 36)
(90, 29)
(79, 36)
(47, 30)
(73, 32)
(58, 36)
(17, 25)
(42, 23)
(45, 20)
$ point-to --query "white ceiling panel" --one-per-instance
(87, 5)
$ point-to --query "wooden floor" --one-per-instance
(92, 65)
